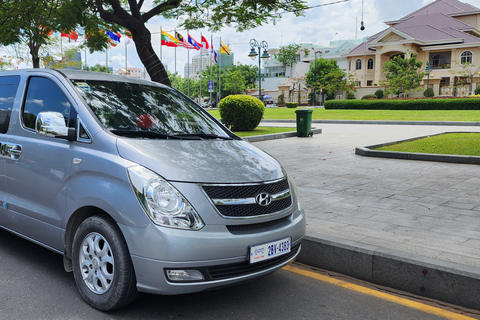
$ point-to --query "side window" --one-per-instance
(8, 89)
(43, 95)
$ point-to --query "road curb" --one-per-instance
(277, 135)
(450, 282)
(369, 151)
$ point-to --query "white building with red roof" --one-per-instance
(446, 33)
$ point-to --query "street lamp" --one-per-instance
(315, 78)
(428, 69)
(265, 56)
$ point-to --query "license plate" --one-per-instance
(270, 250)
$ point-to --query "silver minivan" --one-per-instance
(139, 188)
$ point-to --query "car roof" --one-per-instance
(84, 75)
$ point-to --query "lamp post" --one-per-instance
(428, 69)
(265, 56)
(315, 78)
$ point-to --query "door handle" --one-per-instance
(11, 151)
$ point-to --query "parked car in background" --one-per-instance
(138, 187)
(269, 103)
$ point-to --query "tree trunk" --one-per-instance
(34, 48)
(149, 58)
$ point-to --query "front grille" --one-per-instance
(245, 268)
(245, 228)
(243, 197)
(246, 191)
(251, 210)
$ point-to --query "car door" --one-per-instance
(8, 89)
(37, 177)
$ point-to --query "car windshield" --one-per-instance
(147, 111)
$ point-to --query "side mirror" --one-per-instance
(52, 124)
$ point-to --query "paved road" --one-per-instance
(33, 285)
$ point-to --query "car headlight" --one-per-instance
(162, 202)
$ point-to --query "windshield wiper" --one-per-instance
(202, 136)
(145, 134)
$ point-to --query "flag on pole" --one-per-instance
(212, 51)
(182, 42)
(204, 40)
(194, 43)
(114, 39)
(224, 48)
(72, 35)
(168, 40)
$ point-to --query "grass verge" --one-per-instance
(449, 143)
(394, 115)
(263, 130)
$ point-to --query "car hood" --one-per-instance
(202, 161)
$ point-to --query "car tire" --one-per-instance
(102, 266)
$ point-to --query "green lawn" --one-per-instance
(399, 115)
(449, 143)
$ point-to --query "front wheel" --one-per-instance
(102, 267)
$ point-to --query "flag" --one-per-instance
(213, 51)
(182, 42)
(113, 36)
(194, 43)
(72, 35)
(168, 40)
(224, 48)
(204, 40)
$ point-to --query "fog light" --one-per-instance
(184, 275)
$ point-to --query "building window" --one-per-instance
(370, 64)
(439, 61)
(369, 83)
(350, 65)
(358, 64)
(466, 57)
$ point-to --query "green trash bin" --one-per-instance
(304, 122)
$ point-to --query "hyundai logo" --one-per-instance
(263, 199)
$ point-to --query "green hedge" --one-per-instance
(406, 104)
(291, 104)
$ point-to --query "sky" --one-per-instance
(332, 20)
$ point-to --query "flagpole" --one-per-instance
(126, 73)
(161, 43)
(220, 71)
(213, 55)
(188, 72)
(200, 74)
(106, 61)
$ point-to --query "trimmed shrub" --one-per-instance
(241, 112)
(291, 104)
(351, 96)
(430, 93)
(477, 90)
(280, 99)
(407, 104)
(369, 97)
(379, 94)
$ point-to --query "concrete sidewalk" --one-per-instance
(410, 225)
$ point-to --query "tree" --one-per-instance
(327, 77)
(97, 68)
(235, 82)
(288, 55)
(68, 61)
(213, 14)
(31, 22)
(467, 71)
(403, 75)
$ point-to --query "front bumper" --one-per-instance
(221, 256)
